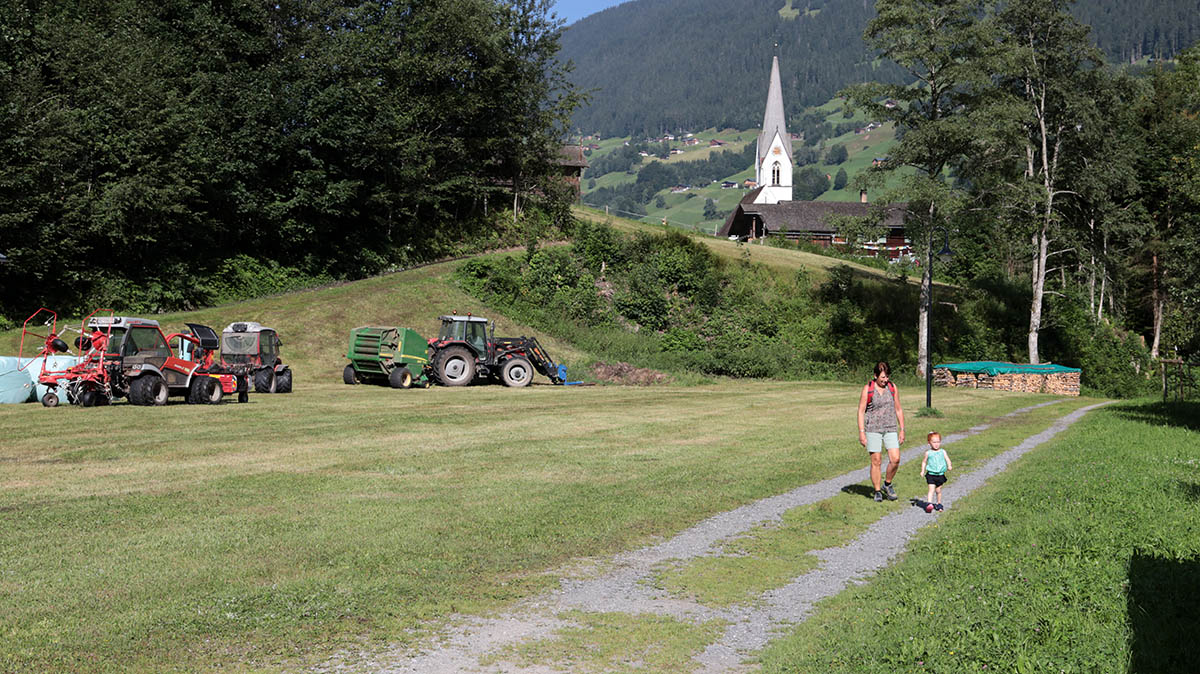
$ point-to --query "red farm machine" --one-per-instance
(253, 349)
(120, 356)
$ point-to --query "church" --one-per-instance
(768, 210)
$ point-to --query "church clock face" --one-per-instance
(777, 150)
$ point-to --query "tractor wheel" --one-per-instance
(148, 389)
(283, 381)
(401, 377)
(50, 399)
(87, 399)
(348, 375)
(264, 380)
(454, 366)
(516, 372)
(217, 394)
(200, 390)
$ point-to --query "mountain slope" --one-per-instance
(666, 65)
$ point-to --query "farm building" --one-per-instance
(813, 221)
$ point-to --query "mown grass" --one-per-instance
(771, 555)
(268, 534)
(1082, 557)
(615, 643)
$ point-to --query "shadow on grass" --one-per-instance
(1182, 414)
(864, 490)
(1164, 609)
(1190, 490)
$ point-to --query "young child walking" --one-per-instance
(934, 466)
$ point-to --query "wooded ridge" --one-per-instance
(668, 65)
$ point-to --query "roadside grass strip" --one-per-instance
(773, 553)
(1083, 557)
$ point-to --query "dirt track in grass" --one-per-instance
(473, 642)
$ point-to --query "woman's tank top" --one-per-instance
(880, 415)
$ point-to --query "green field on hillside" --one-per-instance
(688, 213)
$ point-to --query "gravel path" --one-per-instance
(623, 588)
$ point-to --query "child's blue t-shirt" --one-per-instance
(935, 462)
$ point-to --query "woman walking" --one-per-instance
(880, 426)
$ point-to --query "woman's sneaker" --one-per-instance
(879, 497)
(889, 492)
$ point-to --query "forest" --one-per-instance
(166, 154)
(668, 65)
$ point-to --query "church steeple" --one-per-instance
(773, 118)
(773, 158)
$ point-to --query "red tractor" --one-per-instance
(466, 348)
(252, 348)
(121, 356)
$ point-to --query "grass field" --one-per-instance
(266, 535)
(1083, 557)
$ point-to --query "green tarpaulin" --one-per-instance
(993, 368)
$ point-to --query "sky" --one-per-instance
(574, 10)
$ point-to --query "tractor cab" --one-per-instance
(138, 339)
(472, 330)
(250, 343)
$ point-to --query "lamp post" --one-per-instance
(944, 255)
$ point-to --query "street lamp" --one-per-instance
(944, 255)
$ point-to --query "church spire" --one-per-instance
(773, 118)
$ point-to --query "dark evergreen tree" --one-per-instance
(840, 180)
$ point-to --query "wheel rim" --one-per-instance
(456, 368)
(518, 373)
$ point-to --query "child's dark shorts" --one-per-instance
(935, 480)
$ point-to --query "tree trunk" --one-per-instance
(1040, 244)
(1156, 299)
(1103, 280)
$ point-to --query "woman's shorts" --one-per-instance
(877, 441)
(935, 480)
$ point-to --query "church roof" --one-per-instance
(773, 119)
(813, 216)
(802, 216)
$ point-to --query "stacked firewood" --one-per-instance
(1063, 383)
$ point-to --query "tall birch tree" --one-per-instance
(942, 44)
(1048, 67)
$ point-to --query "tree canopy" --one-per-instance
(147, 143)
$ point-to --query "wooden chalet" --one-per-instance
(571, 164)
(810, 220)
